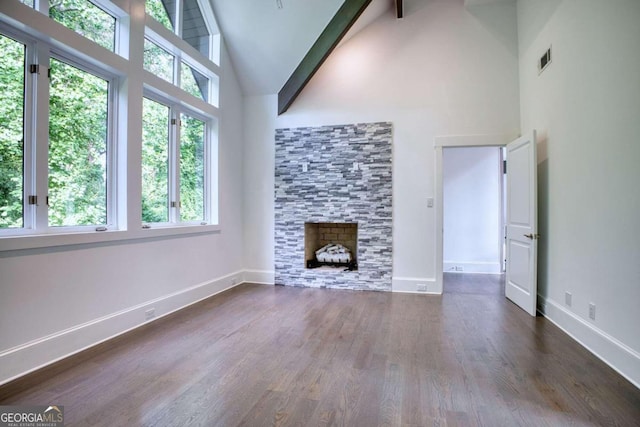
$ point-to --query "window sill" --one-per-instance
(36, 241)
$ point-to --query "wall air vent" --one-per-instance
(544, 61)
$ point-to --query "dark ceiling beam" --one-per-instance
(400, 8)
(346, 16)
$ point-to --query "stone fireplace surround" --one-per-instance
(334, 174)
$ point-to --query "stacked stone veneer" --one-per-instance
(332, 191)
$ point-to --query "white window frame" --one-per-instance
(106, 6)
(36, 145)
(33, 27)
(28, 130)
(176, 110)
(156, 33)
(209, 21)
(181, 102)
(111, 146)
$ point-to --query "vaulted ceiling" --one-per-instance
(267, 42)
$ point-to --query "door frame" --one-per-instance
(440, 142)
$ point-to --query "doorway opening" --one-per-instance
(473, 210)
(521, 206)
(470, 188)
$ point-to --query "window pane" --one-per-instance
(194, 82)
(163, 11)
(11, 131)
(78, 107)
(155, 158)
(192, 169)
(158, 61)
(86, 19)
(194, 29)
(27, 2)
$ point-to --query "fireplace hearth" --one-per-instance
(331, 244)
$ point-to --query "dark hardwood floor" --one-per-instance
(262, 355)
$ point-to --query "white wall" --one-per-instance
(585, 107)
(259, 162)
(471, 179)
(56, 301)
(442, 70)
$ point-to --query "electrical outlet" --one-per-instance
(567, 298)
(592, 311)
(421, 287)
(150, 314)
(458, 268)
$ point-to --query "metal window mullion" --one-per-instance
(28, 147)
(179, 12)
(112, 158)
(177, 76)
(40, 144)
(177, 70)
(174, 166)
(121, 37)
(207, 171)
(42, 6)
(204, 11)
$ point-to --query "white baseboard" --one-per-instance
(620, 357)
(472, 267)
(409, 285)
(28, 357)
(263, 277)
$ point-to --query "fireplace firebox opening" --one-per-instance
(331, 244)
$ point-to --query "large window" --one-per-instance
(70, 188)
(69, 133)
(175, 159)
(155, 162)
(192, 169)
(177, 167)
(12, 87)
(161, 53)
(78, 146)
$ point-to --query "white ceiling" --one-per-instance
(266, 43)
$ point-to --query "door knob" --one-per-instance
(532, 236)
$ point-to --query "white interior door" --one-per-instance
(522, 223)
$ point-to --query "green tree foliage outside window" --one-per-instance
(78, 133)
(194, 83)
(86, 19)
(158, 61)
(157, 10)
(192, 164)
(155, 158)
(12, 64)
(78, 107)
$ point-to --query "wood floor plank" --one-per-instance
(262, 355)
